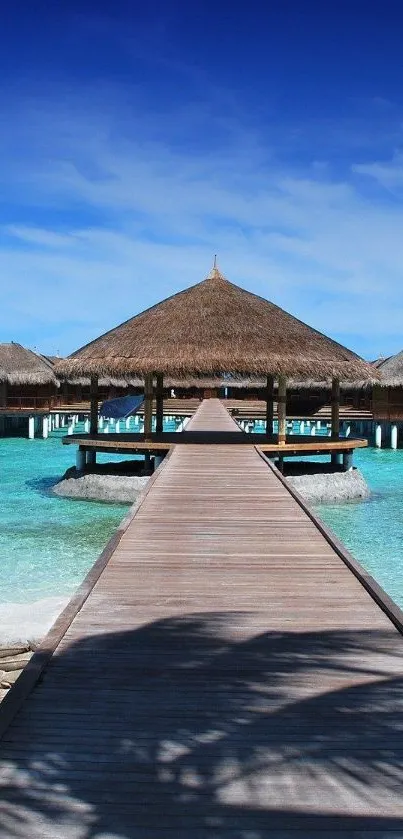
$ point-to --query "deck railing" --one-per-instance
(26, 403)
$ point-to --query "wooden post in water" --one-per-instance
(159, 396)
(148, 404)
(269, 405)
(335, 416)
(94, 405)
(282, 410)
(148, 416)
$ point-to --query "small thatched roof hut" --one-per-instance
(391, 370)
(212, 328)
(20, 366)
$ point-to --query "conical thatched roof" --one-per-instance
(391, 370)
(19, 366)
(212, 328)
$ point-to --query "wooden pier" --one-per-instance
(226, 671)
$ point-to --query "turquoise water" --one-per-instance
(47, 543)
(373, 529)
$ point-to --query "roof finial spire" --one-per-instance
(215, 273)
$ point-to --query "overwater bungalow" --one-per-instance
(215, 329)
(387, 397)
(28, 386)
(387, 402)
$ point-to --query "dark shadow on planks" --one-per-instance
(205, 737)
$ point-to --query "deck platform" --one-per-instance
(296, 445)
(226, 671)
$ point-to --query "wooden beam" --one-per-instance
(148, 404)
(335, 408)
(282, 409)
(159, 395)
(94, 405)
(3, 394)
(269, 405)
(335, 418)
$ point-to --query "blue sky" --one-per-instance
(137, 142)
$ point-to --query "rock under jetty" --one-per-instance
(101, 487)
(13, 659)
(330, 487)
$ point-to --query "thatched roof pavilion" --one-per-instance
(211, 328)
(216, 329)
(391, 371)
(20, 366)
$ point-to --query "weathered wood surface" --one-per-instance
(227, 677)
(166, 441)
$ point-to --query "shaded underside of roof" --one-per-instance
(20, 366)
(212, 328)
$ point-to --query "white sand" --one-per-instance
(29, 621)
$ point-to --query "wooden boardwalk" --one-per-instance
(227, 677)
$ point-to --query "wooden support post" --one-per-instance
(335, 416)
(335, 408)
(80, 459)
(91, 457)
(148, 405)
(94, 405)
(3, 394)
(282, 410)
(269, 405)
(159, 395)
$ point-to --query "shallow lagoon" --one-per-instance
(47, 544)
(373, 529)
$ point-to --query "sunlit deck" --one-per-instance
(157, 444)
(226, 672)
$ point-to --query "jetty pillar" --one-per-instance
(159, 396)
(148, 404)
(94, 405)
(45, 428)
(148, 415)
(393, 437)
(378, 436)
(31, 428)
(269, 405)
(335, 431)
(347, 460)
(282, 409)
(80, 460)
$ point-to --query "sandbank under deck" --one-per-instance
(226, 671)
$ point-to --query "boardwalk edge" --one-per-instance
(378, 594)
(33, 671)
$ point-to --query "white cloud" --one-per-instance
(387, 173)
(110, 219)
